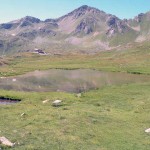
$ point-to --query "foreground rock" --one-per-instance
(46, 101)
(6, 142)
(147, 130)
(57, 103)
(23, 114)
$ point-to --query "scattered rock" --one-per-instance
(6, 142)
(46, 101)
(23, 114)
(147, 130)
(57, 103)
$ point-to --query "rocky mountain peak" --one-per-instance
(28, 20)
(23, 22)
(86, 8)
(81, 11)
(31, 19)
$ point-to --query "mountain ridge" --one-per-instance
(84, 28)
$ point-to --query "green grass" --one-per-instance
(112, 118)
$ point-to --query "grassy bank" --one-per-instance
(113, 118)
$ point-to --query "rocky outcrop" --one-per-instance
(116, 26)
(6, 26)
(139, 18)
(86, 26)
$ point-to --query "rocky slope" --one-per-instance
(85, 29)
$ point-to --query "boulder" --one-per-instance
(147, 130)
(6, 142)
(57, 103)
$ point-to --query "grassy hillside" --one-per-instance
(133, 60)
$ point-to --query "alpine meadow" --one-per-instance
(76, 82)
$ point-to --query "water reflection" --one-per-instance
(68, 80)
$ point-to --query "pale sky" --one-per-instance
(43, 9)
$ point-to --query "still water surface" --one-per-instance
(8, 102)
(68, 80)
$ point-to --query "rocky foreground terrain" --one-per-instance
(85, 29)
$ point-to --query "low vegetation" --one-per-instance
(112, 118)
